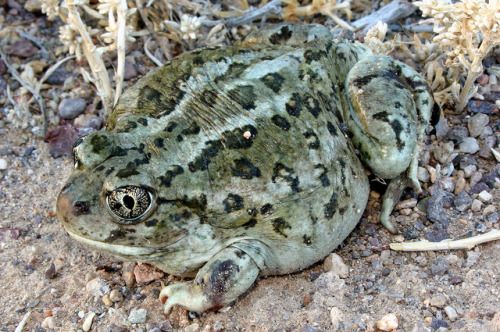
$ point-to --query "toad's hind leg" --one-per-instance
(220, 281)
(389, 109)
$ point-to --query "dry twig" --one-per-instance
(28, 86)
(448, 244)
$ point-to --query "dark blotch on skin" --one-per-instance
(151, 223)
(312, 55)
(99, 143)
(273, 81)
(233, 202)
(307, 240)
(313, 140)
(193, 129)
(382, 116)
(171, 126)
(331, 206)
(100, 168)
(281, 37)
(109, 171)
(332, 129)
(152, 99)
(281, 122)
(81, 208)
(294, 105)
(125, 173)
(116, 235)
(280, 225)
(244, 169)
(158, 142)
(267, 210)
(166, 180)
(143, 121)
(398, 128)
(278, 171)
(220, 280)
(249, 224)
(325, 182)
(243, 95)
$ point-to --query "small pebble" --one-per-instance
(71, 108)
(423, 175)
(333, 263)
(469, 170)
(49, 323)
(145, 273)
(137, 316)
(97, 287)
(23, 49)
(388, 323)
(406, 204)
(116, 296)
(493, 217)
(106, 300)
(129, 278)
(469, 145)
(437, 323)
(130, 71)
(476, 205)
(435, 207)
(472, 258)
(489, 210)
(451, 313)
(485, 196)
(477, 123)
(50, 273)
(336, 317)
(462, 201)
(440, 266)
(192, 328)
(438, 300)
(3, 164)
(432, 173)
(87, 323)
(420, 328)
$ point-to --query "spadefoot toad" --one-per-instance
(230, 163)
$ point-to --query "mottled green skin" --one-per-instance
(243, 153)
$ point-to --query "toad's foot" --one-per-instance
(225, 277)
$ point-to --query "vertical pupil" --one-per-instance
(129, 202)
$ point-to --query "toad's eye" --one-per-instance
(129, 204)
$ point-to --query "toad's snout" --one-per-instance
(69, 207)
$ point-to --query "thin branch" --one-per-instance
(151, 56)
(121, 13)
(28, 86)
(448, 244)
(51, 70)
(20, 327)
(35, 41)
(273, 7)
(93, 57)
(387, 14)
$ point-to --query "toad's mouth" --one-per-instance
(115, 249)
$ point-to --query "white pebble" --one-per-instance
(484, 196)
(469, 170)
(489, 209)
(476, 205)
(87, 323)
(388, 323)
(137, 316)
(3, 164)
(422, 175)
(49, 323)
(451, 313)
(333, 263)
(337, 317)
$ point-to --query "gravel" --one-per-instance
(71, 108)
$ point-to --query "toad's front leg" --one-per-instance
(223, 278)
